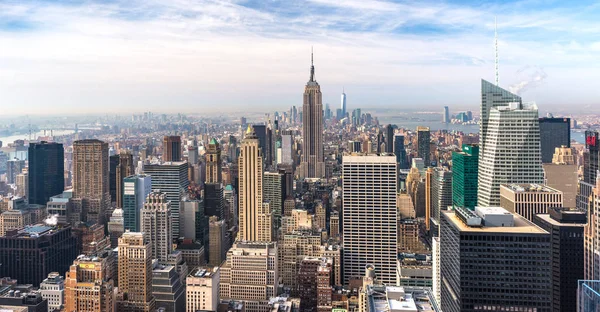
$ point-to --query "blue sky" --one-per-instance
(216, 56)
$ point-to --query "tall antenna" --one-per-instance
(496, 44)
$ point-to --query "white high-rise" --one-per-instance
(343, 103)
(369, 216)
(510, 152)
(156, 224)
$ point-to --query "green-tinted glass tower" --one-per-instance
(464, 176)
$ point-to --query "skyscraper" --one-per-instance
(446, 118)
(254, 217)
(312, 164)
(273, 194)
(591, 157)
(250, 275)
(369, 216)
(464, 176)
(136, 189)
(566, 228)
(90, 179)
(516, 276)
(46, 171)
(510, 152)
(400, 152)
(156, 223)
(172, 148)
(389, 139)
(172, 179)
(124, 169)
(343, 106)
(213, 162)
(491, 96)
(554, 132)
(88, 286)
(135, 273)
(423, 144)
(217, 244)
(441, 192)
(562, 174)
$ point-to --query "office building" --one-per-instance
(554, 132)
(591, 157)
(529, 200)
(464, 176)
(314, 284)
(423, 145)
(46, 171)
(91, 238)
(436, 275)
(53, 290)
(441, 192)
(195, 222)
(491, 96)
(14, 167)
(172, 179)
(446, 118)
(400, 152)
(171, 148)
(167, 288)
(389, 139)
(493, 259)
(13, 220)
(156, 222)
(592, 237)
(124, 169)
(312, 164)
(30, 254)
(213, 162)
(273, 188)
(254, 217)
(60, 206)
(90, 180)
(293, 247)
(135, 273)
(588, 295)
(217, 241)
(287, 143)
(562, 175)
(89, 286)
(415, 272)
(510, 152)
(136, 189)
(22, 184)
(369, 216)
(116, 227)
(250, 275)
(565, 226)
(27, 301)
(202, 289)
(343, 104)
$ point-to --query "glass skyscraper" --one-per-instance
(464, 176)
(135, 190)
(554, 132)
(46, 171)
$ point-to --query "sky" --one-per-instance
(203, 56)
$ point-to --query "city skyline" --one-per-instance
(132, 56)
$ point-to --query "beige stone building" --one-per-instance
(91, 196)
(156, 222)
(217, 244)
(202, 289)
(135, 274)
(529, 199)
(88, 286)
(13, 220)
(562, 175)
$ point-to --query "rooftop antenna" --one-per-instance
(496, 46)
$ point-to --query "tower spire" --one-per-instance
(496, 46)
(312, 66)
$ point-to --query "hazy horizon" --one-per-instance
(122, 57)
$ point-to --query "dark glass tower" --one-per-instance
(464, 176)
(389, 139)
(46, 171)
(400, 152)
(554, 132)
(423, 144)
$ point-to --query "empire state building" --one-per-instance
(312, 164)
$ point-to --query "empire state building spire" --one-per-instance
(312, 66)
(312, 164)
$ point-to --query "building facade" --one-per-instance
(136, 189)
(46, 173)
(156, 222)
(313, 163)
(90, 179)
(529, 199)
(369, 215)
(135, 274)
(554, 132)
(464, 176)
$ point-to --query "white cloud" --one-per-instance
(181, 54)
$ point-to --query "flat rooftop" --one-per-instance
(529, 188)
(547, 218)
(522, 226)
